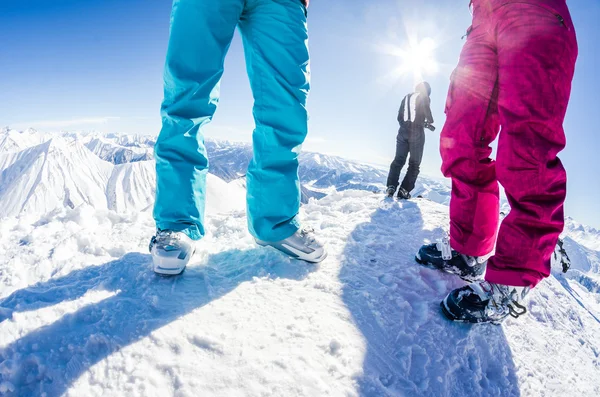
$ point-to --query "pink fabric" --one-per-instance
(559, 6)
(515, 71)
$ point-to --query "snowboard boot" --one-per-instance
(403, 194)
(389, 192)
(442, 257)
(484, 302)
(301, 245)
(171, 252)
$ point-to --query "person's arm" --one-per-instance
(427, 109)
(305, 2)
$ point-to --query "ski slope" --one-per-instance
(83, 314)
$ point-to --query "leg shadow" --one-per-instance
(48, 360)
(411, 349)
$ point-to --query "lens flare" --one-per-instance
(417, 59)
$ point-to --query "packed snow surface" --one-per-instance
(82, 313)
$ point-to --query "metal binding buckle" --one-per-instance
(443, 245)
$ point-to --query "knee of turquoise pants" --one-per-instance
(276, 47)
(200, 35)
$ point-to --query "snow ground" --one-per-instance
(83, 314)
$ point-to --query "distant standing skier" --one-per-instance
(275, 42)
(515, 71)
(414, 116)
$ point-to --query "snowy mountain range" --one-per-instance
(82, 314)
(40, 173)
(37, 165)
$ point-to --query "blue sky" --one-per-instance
(97, 64)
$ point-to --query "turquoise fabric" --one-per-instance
(275, 40)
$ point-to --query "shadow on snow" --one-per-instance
(54, 356)
(411, 349)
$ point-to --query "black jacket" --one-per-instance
(422, 110)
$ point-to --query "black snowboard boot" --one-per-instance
(403, 194)
(390, 191)
(442, 257)
(484, 302)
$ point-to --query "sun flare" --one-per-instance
(419, 57)
(415, 59)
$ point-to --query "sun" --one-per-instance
(415, 59)
(419, 58)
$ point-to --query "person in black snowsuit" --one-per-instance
(414, 116)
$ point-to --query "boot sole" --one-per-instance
(170, 272)
(163, 272)
(293, 255)
(455, 319)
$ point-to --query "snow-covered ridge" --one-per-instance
(56, 173)
(40, 173)
(15, 141)
(584, 235)
(118, 154)
(115, 172)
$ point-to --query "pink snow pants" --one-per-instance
(515, 72)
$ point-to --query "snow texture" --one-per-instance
(82, 313)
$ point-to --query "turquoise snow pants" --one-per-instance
(275, 41)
